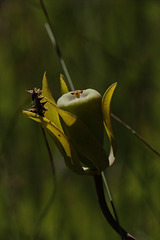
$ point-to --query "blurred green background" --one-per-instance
(102, 41)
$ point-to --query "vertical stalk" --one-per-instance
(106, 212)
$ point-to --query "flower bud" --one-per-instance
(86, 106)
(86, 134)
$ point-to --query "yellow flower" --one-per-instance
(76, 125)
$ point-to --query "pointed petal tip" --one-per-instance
(111, 156)
(64, 87)
(114, 85)
(44, 76)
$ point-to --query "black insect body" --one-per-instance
(38, 106)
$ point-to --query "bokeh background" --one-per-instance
(102, 41)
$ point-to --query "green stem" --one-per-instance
(106, 212)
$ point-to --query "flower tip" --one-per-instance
(45, 74)
(44, 78)
(115, 84)
(64, 87)
(62, 79)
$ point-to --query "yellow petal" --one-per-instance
(52, 128)
(68, 118)
(64, 87)
(65, 147)
(45, 87)
(51, 114)
(106, 108)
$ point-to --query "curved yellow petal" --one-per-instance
(68, 118)
(64, 145)
(64, 87)
(106, 108)
(45, 87)
(51, 114)
(52, 128)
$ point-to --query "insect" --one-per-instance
(38, 106)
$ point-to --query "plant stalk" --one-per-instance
(106, 212)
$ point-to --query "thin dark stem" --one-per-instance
(45, 11)
(116, 217)
(49, 151)
(136, 134)
(105, 210)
